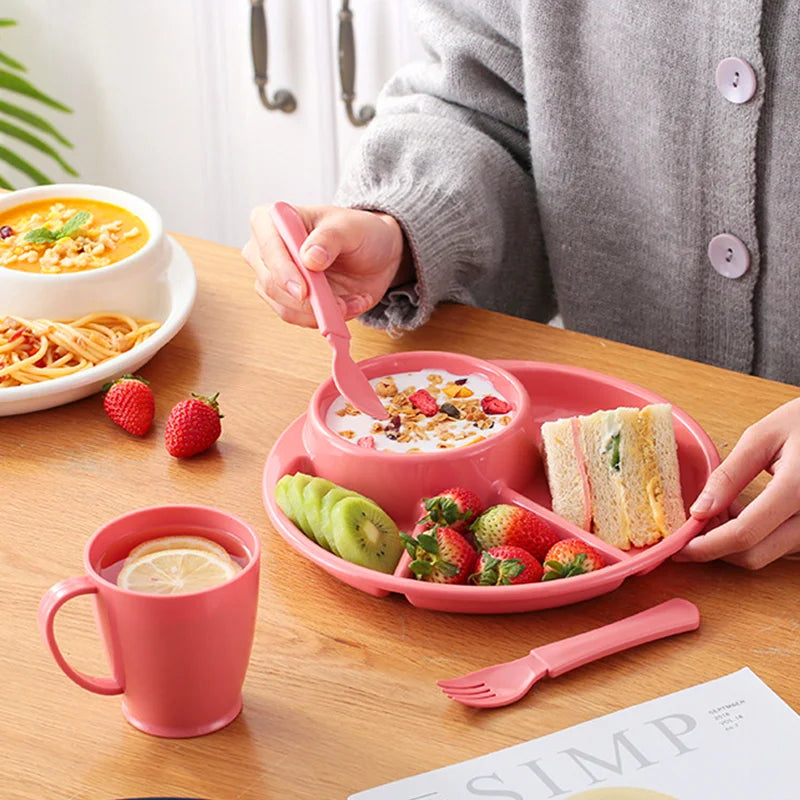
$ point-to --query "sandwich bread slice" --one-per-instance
(615, 473)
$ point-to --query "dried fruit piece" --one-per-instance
(494, 405)
(386, 387)
(423, 400)
(451, 390)
(450, 410)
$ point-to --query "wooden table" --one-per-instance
(340, 695)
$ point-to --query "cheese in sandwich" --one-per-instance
(615, 473)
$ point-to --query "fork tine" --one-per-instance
(470, 695)
(484, 701)
(477, 678)
(460, 683)
(470, 691)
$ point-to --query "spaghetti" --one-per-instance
(38, 350)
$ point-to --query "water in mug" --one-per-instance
(173, 560)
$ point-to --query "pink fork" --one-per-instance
(503, 684)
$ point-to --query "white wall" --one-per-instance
(165, 104)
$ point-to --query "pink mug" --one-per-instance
(179, 661)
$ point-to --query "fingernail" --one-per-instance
(357, 304)
(294, 289)
(317, 254)
(703, 503)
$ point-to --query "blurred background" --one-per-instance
(164, 103)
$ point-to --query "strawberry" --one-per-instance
(367, 442)
(505, 524)
(494, 405)
(193, 425)
(130, 403)
(506, 565)
(440, 555)
(571, 557)
(424, 401)
(454, 508)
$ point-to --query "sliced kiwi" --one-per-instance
(313, 495)
(328, 502)
(294, 497)
(364, 534)
(282, 496)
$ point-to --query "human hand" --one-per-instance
(769, 527)
(362, 253)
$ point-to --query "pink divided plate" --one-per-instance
(552, 391)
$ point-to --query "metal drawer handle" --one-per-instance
(283, 99)
(347, 68)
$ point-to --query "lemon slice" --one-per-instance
(178, 542)
(176, 571)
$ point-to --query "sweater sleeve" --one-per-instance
(447, 155)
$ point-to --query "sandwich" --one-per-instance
(615, 473)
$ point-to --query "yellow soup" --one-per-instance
(55, 236)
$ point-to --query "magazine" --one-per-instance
(731, 738)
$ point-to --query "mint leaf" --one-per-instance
(71, 227)
(40, 236)
(72, 224)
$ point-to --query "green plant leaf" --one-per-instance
(73, 224)
(428, 542)
(37, 143)
(34, 120)
(14, 83)
(13, 160)
(70, 227)
(10, 62)
(40, 236)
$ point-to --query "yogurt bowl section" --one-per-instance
(452, 419)
(429, 410)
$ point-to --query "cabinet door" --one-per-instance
(383, 41)
(257, 155)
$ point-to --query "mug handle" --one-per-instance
(53, 599)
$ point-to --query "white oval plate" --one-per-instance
(180, 290)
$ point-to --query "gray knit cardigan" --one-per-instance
(576, 156)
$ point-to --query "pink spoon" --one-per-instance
(347, 376)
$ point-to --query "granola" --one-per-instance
(428, 411)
